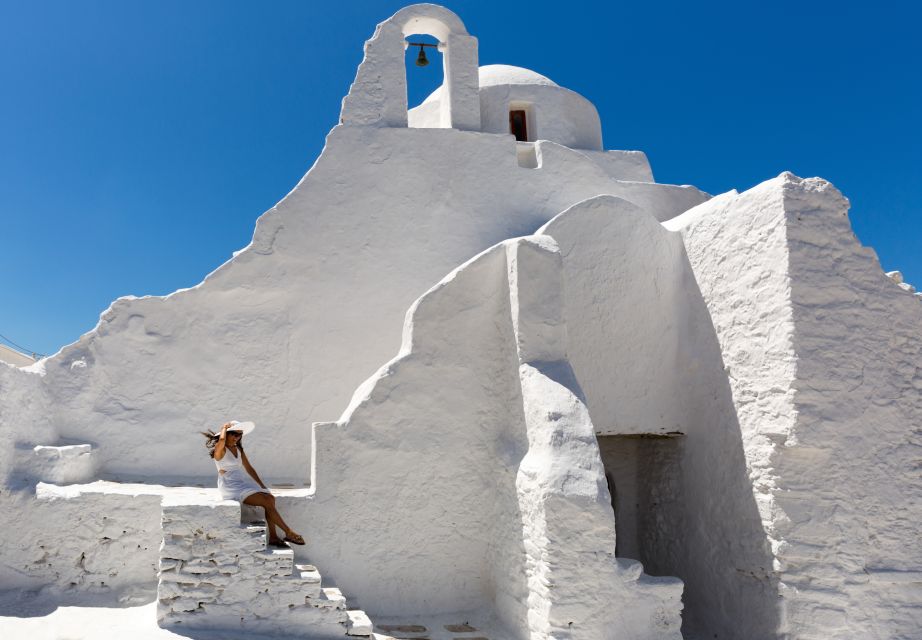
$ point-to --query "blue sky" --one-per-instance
(139, 141)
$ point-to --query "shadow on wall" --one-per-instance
(684, 507)
(645, 352)
(725, 556)
(423, 525)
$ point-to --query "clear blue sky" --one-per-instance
(139, 141)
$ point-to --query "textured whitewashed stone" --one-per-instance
(359, 624)
(65, 464)
(822, 362)
(221, 587)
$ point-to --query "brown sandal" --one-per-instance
(294, 538)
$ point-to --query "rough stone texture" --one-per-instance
(822, 354)
(80, 548)
(215, 573)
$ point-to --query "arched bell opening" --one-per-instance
(379, 94)
(425, 68)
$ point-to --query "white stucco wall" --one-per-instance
(465, 475)
(476, 429)
(383, 214)
(822, 353)
(640, 338)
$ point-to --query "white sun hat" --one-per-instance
(244, 427)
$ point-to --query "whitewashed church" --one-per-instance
(508, 386)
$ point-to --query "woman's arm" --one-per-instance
(220, 449)
(251, 470)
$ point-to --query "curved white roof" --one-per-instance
(492, 75)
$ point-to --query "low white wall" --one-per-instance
(623, 165)
(575, 586)
(81, 548)
(822, 354)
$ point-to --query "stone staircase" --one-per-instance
(216, 573)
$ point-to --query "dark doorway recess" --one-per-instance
(518, 125)
(644, 478)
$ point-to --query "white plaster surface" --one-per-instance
(823, 358)
(464, 478)
(482, 374)
(172, 364)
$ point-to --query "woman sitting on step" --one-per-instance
(237, 479)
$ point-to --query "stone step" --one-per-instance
(359, 623)
(308, 573)
(216, 573)
(330, 597)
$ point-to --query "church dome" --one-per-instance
(542, 109)
(492, 75)
(495, 75)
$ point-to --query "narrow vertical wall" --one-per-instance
(25, 421)
(576, 588)
(413, 482)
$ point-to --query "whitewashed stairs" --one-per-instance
(218, 574)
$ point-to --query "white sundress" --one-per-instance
(235, 483)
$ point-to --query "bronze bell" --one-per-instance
(421, 60)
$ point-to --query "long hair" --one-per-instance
(212, 438)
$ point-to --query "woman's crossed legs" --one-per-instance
(273, 518)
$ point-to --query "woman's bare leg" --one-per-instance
(273, 517)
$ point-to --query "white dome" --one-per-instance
(495, 74)
(492, 75)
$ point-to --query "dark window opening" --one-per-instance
(518, 125)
